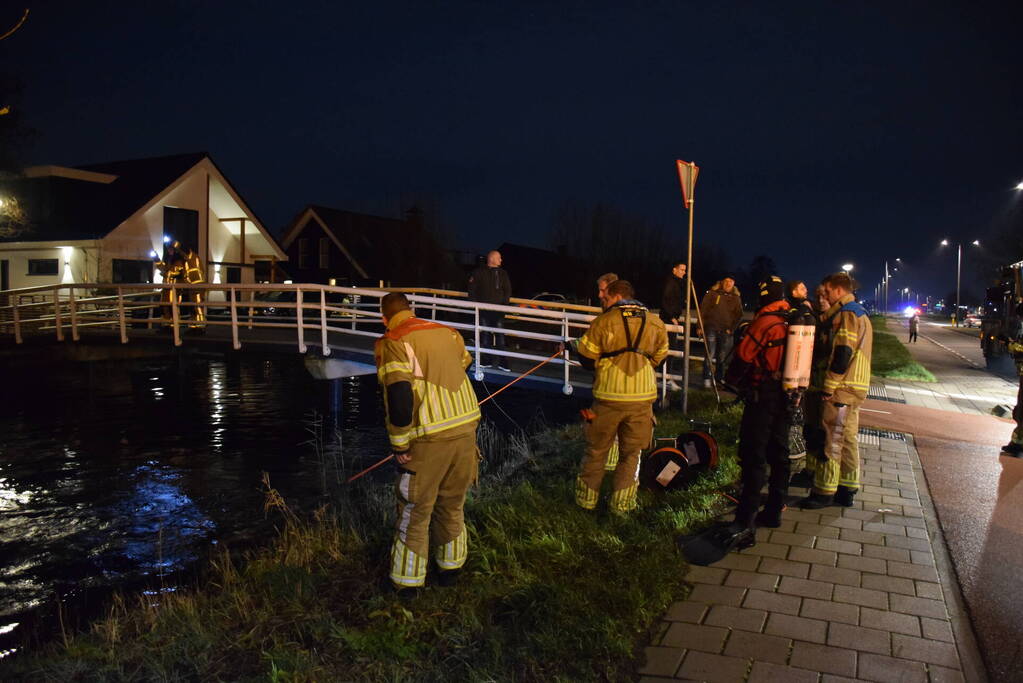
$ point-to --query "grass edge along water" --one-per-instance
(550, 592)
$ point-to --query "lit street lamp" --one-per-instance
(959, 271)
(1020, 186)
(847, 267)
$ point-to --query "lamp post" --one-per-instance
(959, 271)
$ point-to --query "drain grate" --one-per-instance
(880, 434)
(879, 392)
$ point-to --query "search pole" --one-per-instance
(688, 180)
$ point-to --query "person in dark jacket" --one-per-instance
(490, 284)
(721, 309)
(673, 301)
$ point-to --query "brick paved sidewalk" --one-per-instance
(833, 595)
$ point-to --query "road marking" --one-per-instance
(953, 352)
(870, 410)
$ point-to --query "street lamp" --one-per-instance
(959, 270)
(847, 267)
(1020, 186)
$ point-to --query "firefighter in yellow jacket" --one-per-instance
(846, 381)
(623, 346)
(432, 415)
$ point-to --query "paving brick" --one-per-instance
(824, 659)
(828, 678)
(921, 572)
(906, 520)
(917, 533)
(859, 638)
(900, 500)
(845, 523)
(765, 672)
(787, 538)
(711, 575)
(922, 557)
(886, 552)
(806, 588)
(769, 550)
(924, 650)
(861, 536)
(846, 577)
(662, 661)
(736, 618)
(686, 610)
(818, 530)
(798, 515)
(937, 629)
(862, 564)
(695, 637)
(882, 490)
(748, 563)
(839, 546)
(830, 611)
(772, 602)
(926, 589)
(717, 595)
(758, 646)
(881, 527)
(770, 565)
(701, 666)
(893, 622)
(827, 557)
(737, 577)
(799, 628)
(909, 543)
(940, 674)
(912, 511)
(922, 607)
(862, 515)
(861, 596)
(888, 584)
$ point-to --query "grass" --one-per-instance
(891, 359)
(550, 592)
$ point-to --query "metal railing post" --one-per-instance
(74, 313)
(298, 321)
(234, 320)
(58, 319)
(120, 315)
(323, 323)
(566, 388)
(17, 320)
(476, 339)
(175, 316)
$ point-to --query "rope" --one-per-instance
(490, 396)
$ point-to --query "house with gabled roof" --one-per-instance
(108, 223)
(346, 248)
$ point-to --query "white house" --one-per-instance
(107, 223)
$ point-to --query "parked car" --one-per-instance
(971, 320)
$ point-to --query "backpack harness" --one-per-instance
(630, 345)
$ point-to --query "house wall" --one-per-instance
(75, 263)
(338, 265)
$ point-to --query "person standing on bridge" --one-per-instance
(432, 414)
(490, 284)
(721, 310)
(602, 282)
(623, 345)
(846, 381)
(673, 306)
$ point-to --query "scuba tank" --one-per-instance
(795, 376)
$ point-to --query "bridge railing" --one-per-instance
(322, 312)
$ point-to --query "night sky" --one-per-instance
(826, 132)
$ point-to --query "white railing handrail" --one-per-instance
(76, 306)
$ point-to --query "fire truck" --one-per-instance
(1001, 321)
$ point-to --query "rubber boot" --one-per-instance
(1013, 449)
(844, 496)
(816, 501)
(448, 578)
(803, 479)
(770, 517)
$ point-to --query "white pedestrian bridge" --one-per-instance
(334, 327)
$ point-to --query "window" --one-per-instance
(42, 266)
(324, 253)
(128, 270)
(234, 275)
(303, 252)
(182, 225)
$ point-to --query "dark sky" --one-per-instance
(826, 132)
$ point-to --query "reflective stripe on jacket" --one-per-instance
(628, 376)
(432, 359)
(852, 341)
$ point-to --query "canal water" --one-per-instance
(124, 475)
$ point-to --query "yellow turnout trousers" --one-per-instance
(431, 497)
(841, 465)
(632, 424)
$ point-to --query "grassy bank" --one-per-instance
(550, 592)
(890, 357)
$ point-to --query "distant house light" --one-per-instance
(152, 253)
(166, 239)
